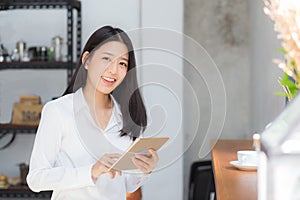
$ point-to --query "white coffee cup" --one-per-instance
(248, 157)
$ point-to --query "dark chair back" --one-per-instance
(201, 186)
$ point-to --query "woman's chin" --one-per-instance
(104, 90)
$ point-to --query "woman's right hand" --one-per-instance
(103, 164)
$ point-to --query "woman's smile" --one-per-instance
(107, 80)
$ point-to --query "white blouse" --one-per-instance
(68, 143)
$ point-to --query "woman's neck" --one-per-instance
(96, 99)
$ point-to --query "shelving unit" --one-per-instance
(23, 192)
(8, 128)
(37, 65)
(72, 31)
(70, 6)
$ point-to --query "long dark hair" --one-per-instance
(127, 94)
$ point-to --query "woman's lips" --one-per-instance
(108, 80)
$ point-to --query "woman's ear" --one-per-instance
(84, 59)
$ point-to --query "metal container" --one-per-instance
(4, 57)
(21, 46)
(57, 43)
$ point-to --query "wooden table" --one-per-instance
(231, 183)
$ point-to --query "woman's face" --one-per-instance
(107, 67)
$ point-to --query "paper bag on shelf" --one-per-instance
(30, 99)
(26, 114)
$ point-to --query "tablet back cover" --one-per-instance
(140, 145)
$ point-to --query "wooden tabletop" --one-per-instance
(231, 183)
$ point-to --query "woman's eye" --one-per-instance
(106, 58)
(123, 64)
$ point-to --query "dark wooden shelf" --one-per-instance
(22, 191)
(13, 128)
(36, 65)
(39, 4)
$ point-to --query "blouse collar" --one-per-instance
(81, 104)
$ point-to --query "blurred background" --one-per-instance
(236, 34)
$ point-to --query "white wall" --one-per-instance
(167, 183)
(264, 73)
(38, 27)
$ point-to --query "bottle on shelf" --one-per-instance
(21, 46)
(4, 56)
(57, 43)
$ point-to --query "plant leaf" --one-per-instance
(285, 81)
(282, 50)
(293, 63)
(290, 87)
(281, 94)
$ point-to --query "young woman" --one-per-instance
(83, 133)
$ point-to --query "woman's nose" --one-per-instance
(113, 67)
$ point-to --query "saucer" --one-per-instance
(243, 167)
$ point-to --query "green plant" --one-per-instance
(286, 17)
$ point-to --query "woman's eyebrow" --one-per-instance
(108, 53)
(111, 54)
(124, 58)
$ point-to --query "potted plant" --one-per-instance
(286, 17)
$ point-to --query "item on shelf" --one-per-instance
(4, 56)
(38, 53)
(21, 46)
(27, 111)
(30, 99)
(24, 169)
(57, 43)
(3, 181)
(25, 57)
(43, 53)
(50, 54)
(14, 181)
(32, 53)
(15, 55)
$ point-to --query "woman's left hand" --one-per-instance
(146, 162)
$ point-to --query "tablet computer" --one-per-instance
(140, 145)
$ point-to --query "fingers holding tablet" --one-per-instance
(146, 162)
(103, 165)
